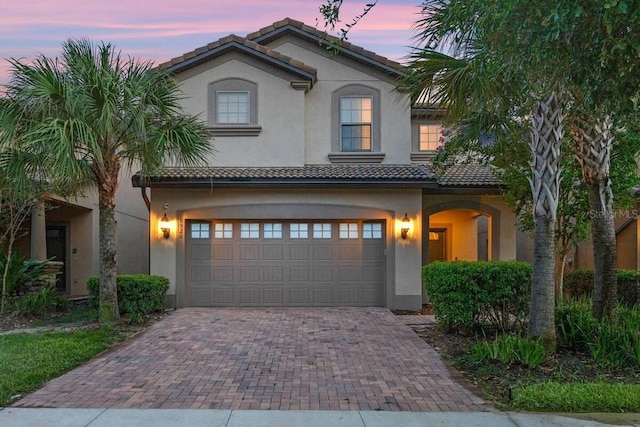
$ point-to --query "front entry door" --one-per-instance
(437, 244)
(57, 249)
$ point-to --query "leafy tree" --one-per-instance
(84, 116)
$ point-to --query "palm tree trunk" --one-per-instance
(109, 311)
(593, 146)
(546, 136)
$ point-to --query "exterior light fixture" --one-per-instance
(406, 226)
(165, 226)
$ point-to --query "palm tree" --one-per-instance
(90, 113)
(485, 93)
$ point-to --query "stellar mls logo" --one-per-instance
(625, 214)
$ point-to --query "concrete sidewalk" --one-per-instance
(10, 417)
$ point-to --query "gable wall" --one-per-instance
(280, 113)
(335, 72)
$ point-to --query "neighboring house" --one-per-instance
(319, 191)
(67, 231)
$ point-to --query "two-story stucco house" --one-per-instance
(319, 192)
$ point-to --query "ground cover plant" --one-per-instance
(596, 367)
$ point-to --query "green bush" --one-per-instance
(138, 294)
(468, 294)
(579, 284)
(21, 272)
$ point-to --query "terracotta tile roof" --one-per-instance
(469, 175)
(254, 42)
(308, 175)
(264, 35)
(204, 53)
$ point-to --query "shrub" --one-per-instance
(576, 324)
(468, 294)
(579, 284)
(21, 272)
(138, 294)
(44, 302)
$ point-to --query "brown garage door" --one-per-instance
(285, 263)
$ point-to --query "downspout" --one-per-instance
(147, 202)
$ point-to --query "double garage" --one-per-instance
(285, 262)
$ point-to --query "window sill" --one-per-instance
(356, 157)
(423, 156)
(245, 130)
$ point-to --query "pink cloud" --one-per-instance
(161, 29)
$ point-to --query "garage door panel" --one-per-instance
(200, 274)
(273, 253)
(299, 252)
(299, 274)
(223, 274)
(250, 252)
(249, 274)
(222, 296)
(323, 252)
(201, 252)
(222, 252)
(272, 274)
(273, 296)
(350, 252)
(322, 274)
(300, 296)
(293, 265)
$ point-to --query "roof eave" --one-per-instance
(281, 183)
(234, 45)
(325, 42)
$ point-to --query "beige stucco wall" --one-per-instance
(403, 256)
(281, 112)
(507, 227)
(335, 73)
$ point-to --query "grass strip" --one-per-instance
(27, 361)
(578, 397)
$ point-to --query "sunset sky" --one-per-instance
(161, 29)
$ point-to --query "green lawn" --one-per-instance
(27, 361)
(578, 397)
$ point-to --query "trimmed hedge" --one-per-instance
(138, 294)
(472, 294)
(579, 284)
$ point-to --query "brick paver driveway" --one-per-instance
(267, 358)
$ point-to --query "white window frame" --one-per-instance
(430, 136)
(372, 230)
(200, 230)
(249, 230)
(272, 230)
(224, 108)
(349, 230)
(363, 120)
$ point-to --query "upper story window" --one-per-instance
(430, 137)
(233, 108)
(355, 123)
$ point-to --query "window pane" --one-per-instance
(249, 231)
(348, 231)
(372, 231)
(430, 137)
(273, 231)
(223, 231)
(200, 231)
(299, 231)
(356, 138)
(321, 231)
(232, 107)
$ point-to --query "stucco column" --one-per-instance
(38, 232)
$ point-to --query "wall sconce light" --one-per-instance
(406, 226)
(165, 226)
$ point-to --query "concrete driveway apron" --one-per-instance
(267, 358)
